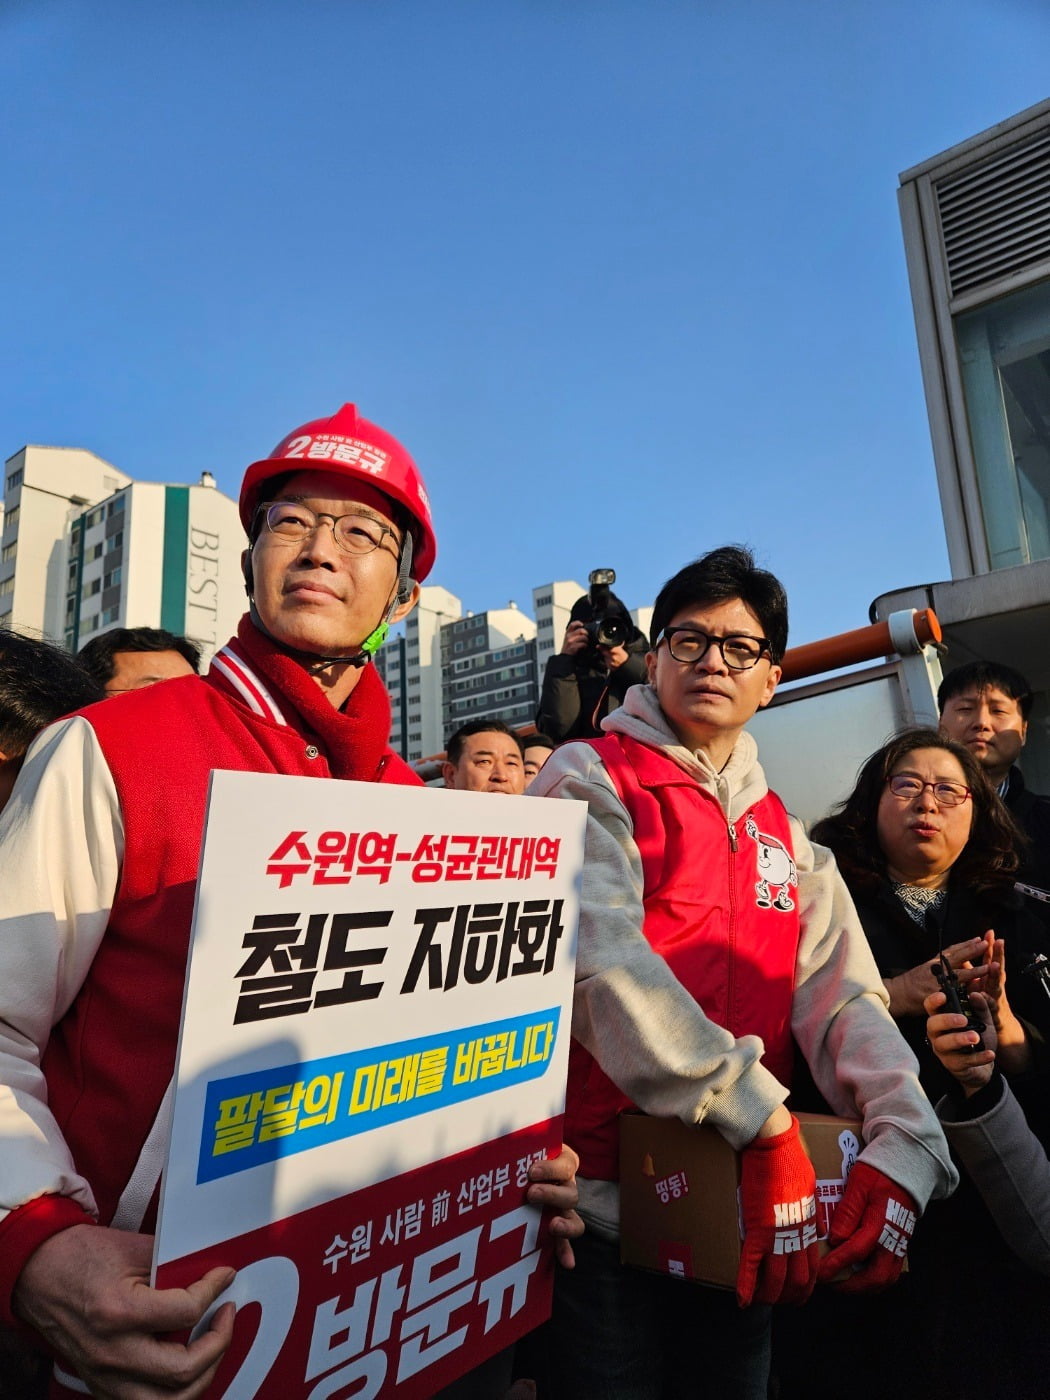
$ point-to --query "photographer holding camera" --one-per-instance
(601, 657)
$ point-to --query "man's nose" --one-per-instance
(711, 658)
(319, 546)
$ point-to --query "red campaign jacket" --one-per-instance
(720, 909)
(109, 1060)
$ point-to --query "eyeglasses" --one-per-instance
(739, 651)
(354, 534)
(945, 794)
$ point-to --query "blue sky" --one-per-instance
(626, 277)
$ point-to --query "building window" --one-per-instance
(114, 505)
(94, 517)
(1003, 352)
(95, 552)
(90, 589)
(8, 586)
(15, 479)
(11, 519)
(113, 577)
(110, 615)
(9, 551)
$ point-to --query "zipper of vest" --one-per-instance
(732, 837)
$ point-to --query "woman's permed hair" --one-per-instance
(987, 862)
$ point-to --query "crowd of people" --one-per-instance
(731, 970)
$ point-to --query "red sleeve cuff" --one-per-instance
(24, 1231)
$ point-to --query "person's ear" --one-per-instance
(769, 689)
(246, 570)
(406, 602)
(448, 772)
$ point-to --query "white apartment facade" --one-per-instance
(156, 555)
(45, 490)
(489, 668)
(410, 665)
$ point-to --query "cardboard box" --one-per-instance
(679, 1192)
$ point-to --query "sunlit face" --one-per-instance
(707, 703)
(134, 670)
(920, 838)
(312, 595)
(489, 762)
(990, 724)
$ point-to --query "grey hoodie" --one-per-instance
(654, 1041)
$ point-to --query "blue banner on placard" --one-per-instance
(271, 1113)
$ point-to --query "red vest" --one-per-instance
(721, 909)
(110, 1058)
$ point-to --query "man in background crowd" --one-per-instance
(602, 656)
(39, 683)
(985, 707)
(129, 658)
(537, 749)
(484, 755)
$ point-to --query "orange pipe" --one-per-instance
(849, 648)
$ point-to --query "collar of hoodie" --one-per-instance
(736, 787)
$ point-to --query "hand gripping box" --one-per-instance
(679, 1192)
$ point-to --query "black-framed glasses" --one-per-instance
(738, 650)
(945, 794)
(354, 534)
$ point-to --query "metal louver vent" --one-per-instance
(995, 218)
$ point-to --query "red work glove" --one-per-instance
(778, 1260)
(869, 1232)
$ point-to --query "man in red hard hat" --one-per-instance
(100, 848)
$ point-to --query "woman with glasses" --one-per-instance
(928, 853)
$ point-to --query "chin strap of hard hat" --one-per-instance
(403, 593)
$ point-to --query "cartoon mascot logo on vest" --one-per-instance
(776, 869)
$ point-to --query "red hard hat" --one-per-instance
(350, 446)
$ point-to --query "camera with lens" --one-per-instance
(609, 625)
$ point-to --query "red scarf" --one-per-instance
(355, 739)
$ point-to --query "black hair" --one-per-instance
(718, 577)
(538, 741)
(96, 656)
(987, 861)
(982, 676)
(39, 683)
(454, 748)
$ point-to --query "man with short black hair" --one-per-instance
(537, 748)
(714, 939)
(39, 683)
(485, 755)
(985, 706)
(130, 658)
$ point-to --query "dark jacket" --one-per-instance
(579, 691)
(899, 944)
(1031, 811)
